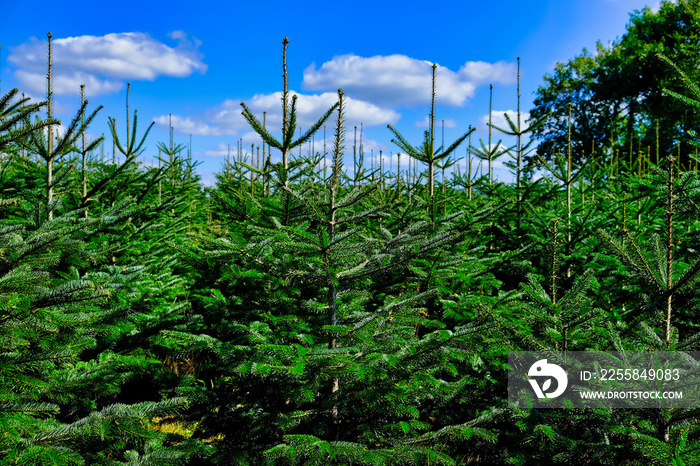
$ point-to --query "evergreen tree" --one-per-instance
(318, 337)
(77, 348)
(427, 153)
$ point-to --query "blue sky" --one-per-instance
(197, 63)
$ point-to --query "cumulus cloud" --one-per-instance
(68, 83)
(103, 63)
(481, 72)
(498, 119)
(311, 107)
(402, 81)
(186, 125)
(226, 118)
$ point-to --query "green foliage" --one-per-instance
(618, 93)
(15, 121)
(83, 316)
(298, 315)
(427, 153)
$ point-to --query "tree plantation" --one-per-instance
(311, 309)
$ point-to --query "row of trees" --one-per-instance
(304, 316)
(616, 93)
(87, 288)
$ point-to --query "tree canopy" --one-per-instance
(616, 93)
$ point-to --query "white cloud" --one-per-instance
(311, 107)
(188, 126)
(398, 80)
(481, 72)
(498, 119)
(66, 109)
(57, 131)
(226, 118)
(103, 63)
(68, 83)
